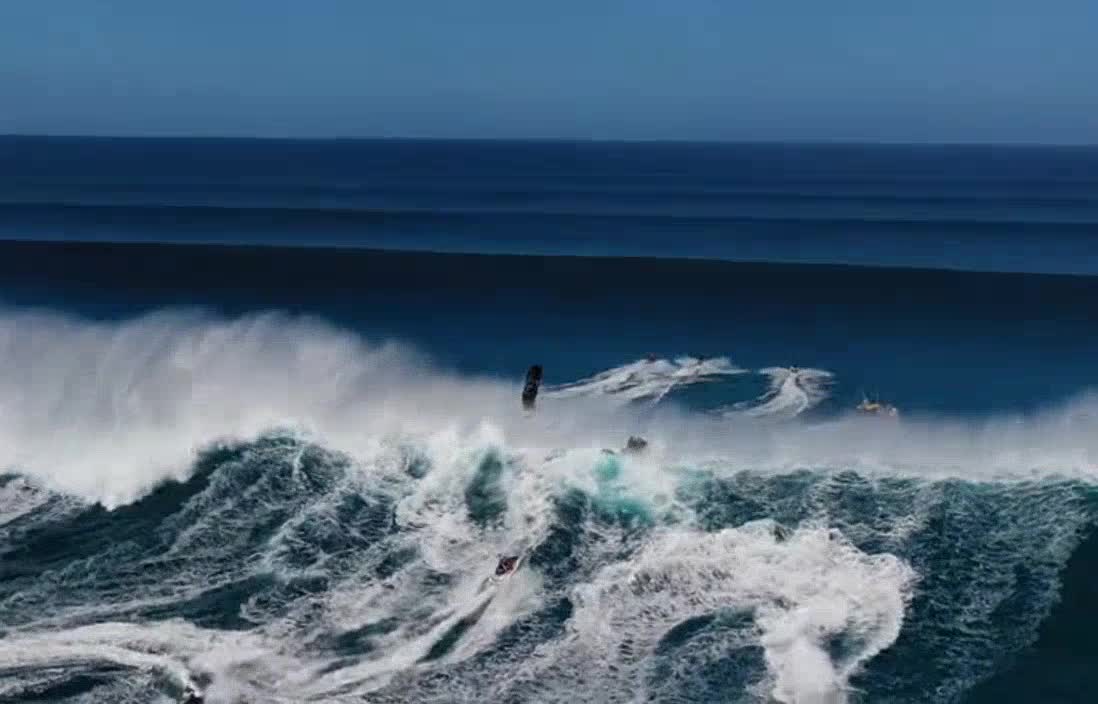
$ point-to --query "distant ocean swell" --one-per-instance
(243, 219)
(299, 514)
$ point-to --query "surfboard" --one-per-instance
(531, 386)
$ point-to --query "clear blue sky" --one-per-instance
(927, 70)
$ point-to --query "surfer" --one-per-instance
(191, 696)
(530, 388)
(634, 446)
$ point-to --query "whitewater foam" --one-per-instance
(107, 410)
(800, 592)
(365, 551)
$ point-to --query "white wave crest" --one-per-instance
(106, 410)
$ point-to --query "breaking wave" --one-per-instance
(272, 509)
(108, 410)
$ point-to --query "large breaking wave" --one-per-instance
(298, 514)
(107, 410)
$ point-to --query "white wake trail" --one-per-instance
(790, 393)
(647, 379)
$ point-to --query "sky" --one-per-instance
(850, 70)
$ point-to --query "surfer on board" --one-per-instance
(530, 388)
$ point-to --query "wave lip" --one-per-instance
(107, 410)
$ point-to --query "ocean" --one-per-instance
(261, 436)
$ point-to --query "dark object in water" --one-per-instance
(191, 696)
(634, 445)
(530, 388)
(877, 408)
(506, 564)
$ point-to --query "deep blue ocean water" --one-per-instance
(261, 432)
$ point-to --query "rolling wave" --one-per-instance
(108, 410)
(297, 514)
(285, 572)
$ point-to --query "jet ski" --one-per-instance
(877, 408)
